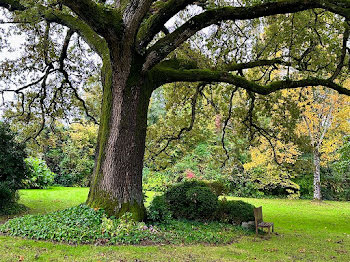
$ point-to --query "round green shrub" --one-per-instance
(40, 176)
(159, 210)
(202, 203)
(235, 211)
(191, 200)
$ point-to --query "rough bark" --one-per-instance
(117, 181)
(317, 175)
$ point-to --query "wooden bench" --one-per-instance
(259, 222)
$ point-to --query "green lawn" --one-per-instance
(306, 231)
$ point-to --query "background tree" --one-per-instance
(135, 48)
(325, 121)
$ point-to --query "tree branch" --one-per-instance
(225, 125)
(105, 21)
(252, 64)
(169, 75)
(199, 89)
(343, 53)
(97, 43)
(155, 22)
(170, 42)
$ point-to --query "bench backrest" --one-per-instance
(258, 215)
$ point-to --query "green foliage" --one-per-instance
(235, 212)
(336, 179)
(39, 175)
(8, 200)
(82, 224)
(305, 181)
(342, 165)
(218, 187)
(12, 170)
(159, 210)
(155, 181)
(335, 185)
(12, 155)
(191, 200)
(202, 203)
(69, 152)
(241, 185)
(6, 193)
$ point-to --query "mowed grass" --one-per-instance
(306, 231)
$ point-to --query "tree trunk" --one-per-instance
(317, 175)
(116, 184)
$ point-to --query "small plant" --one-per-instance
(235, 211)
(40, 176)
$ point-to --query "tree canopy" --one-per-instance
(260, 47)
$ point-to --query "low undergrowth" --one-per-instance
(82, 225)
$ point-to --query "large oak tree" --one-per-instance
(134, 45)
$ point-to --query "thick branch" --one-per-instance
(169, 75)
(134, 13)
(105, 21)
(155, 22)
(96, 43)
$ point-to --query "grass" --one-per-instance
(306, 231)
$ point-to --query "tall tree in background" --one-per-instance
(325, 121)
(136, 49)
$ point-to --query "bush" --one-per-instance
(191, 200)
(7, 194)
(235, 212)
(202, 203)
(12, 167)
(159, 210)
(39, 176)
(8, 200)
